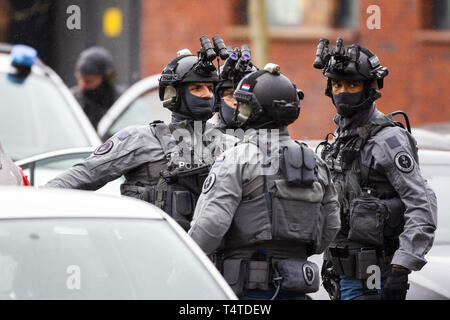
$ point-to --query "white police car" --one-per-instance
(71, 244)
(42, 126)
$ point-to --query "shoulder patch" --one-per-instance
(404, 162)
(209, 182)
(104, 148)
(393, 142)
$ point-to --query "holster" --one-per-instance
(234, 271)
(353, 263)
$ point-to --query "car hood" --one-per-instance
(434, 275)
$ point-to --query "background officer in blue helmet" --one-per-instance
(388, 211)
(164, 164)
(96, 89)
(268, 203)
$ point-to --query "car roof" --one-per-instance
(29, 202)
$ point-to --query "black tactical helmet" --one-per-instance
(237, 66)
(96, 61)
(186, 68)
(350, 63)
(267, 99)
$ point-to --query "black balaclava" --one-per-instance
(226, 115)
(192, 107)
(349, 104)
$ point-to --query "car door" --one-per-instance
(43, 167)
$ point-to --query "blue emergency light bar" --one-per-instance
(23, 56)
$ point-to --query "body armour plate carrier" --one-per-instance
(282, 207)
(171, 188)
(371, 211)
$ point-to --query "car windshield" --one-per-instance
(99, 259)
(143, 110)
(35, 118)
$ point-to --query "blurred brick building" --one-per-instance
(413, 42)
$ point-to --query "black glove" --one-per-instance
(396, 284)
(331, 281)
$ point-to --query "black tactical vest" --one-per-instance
(353, 179)
(172, 186)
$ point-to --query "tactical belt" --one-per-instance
(353, 263)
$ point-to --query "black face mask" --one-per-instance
(195, 107)
(101, 94)
(227, 115)
(348, 104)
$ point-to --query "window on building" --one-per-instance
(441, 14)
(436, 14)
(304, 13)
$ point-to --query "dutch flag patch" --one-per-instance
(245, 87)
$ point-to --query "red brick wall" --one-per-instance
(419, 77)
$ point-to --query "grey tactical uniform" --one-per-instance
(140, 153)
(401, 226)
(232, 214)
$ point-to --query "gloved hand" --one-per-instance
(396, 284)
(330, 281)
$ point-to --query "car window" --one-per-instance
(143, 110)
(48, 168)
(35, 118)
(99, 259)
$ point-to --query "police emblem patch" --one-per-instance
(104, 148)
(209, 182)
(404, 162)
(308, 274)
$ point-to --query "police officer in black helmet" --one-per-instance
(388, 211)
(237, 65)
(96, 89)
(162, 164)
(268, 203)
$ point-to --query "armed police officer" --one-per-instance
(268, 203)
(388, 211)
(162, 164)
(234, 69)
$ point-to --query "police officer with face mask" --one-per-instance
(388, 211)
(268, 203)
(96, 90)
(234, 69)
(162, 164)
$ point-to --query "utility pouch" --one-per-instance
(234, 274)
(182, 205)
(257, 275)
(367, 217)
(343, 261)
(299, 165)
(364, 259)
(150, 194)
(394, 224)
(298, 275)
(296, 211)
